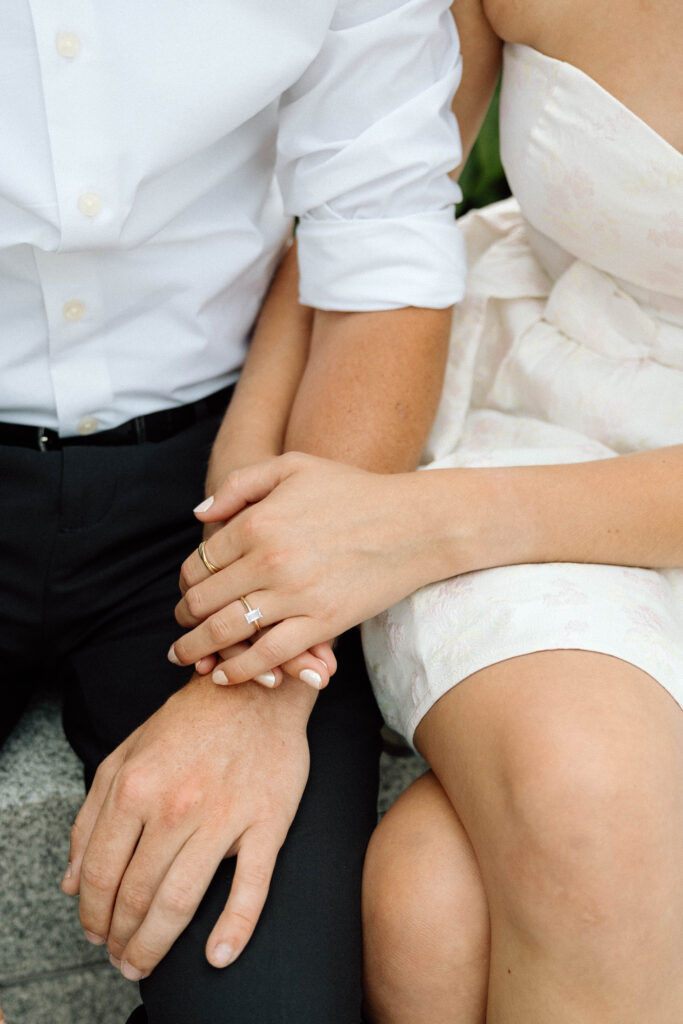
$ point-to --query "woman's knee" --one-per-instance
(425, 917)
(576, 807)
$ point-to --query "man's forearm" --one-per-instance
(371, 387)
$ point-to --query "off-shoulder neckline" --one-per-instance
(596, 85)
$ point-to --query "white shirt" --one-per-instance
(139, 219)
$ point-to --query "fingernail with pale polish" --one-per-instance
(172, 656)
(205, 505)
(67, 875)
(220, 677)
(266, 679)
(96, 940)
(311, 677)
(223, 955)
(114, 961)
(131, 973)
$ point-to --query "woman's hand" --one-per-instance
(318, 547)
(314, 667)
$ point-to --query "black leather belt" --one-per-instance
(155, 427)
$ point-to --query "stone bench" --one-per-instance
(49, 974)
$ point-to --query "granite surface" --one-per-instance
(41, 789)
(396, 773)
(95, 995)
(49, 974)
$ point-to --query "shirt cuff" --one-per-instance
(366, 265)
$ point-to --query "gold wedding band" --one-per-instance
(252, 615)
(201, 550)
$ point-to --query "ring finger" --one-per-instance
(226, 627)
(219, 550)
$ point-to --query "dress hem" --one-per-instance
(667, 677)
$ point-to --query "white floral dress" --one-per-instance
(568, 347)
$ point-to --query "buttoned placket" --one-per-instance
(67, 44)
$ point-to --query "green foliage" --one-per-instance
(483, 180)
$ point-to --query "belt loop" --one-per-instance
(43, 438)
(140, 429)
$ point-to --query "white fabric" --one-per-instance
(568, 347)
(139, 221)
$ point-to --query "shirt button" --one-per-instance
(68, 44)
(73, 310)
(90, 204)
(88, 425)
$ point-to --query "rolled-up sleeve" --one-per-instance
(366, 141)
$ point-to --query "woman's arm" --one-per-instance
(254, 425)
(626, 510)
(481, 52)
(367, 397)
(328, 545)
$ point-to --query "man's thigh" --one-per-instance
(30, 484)
(114, 584)
(303, 964)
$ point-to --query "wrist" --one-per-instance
(477, 519)
(291, 702)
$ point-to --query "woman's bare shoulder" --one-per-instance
(583, 23)
(616, 42)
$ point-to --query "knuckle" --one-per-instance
(273, 560)
(178, 901)
(128, 790)
(194, 603)
(143, 953)
(135, 900)
(105, 772)
(183, 616)
(96, 877)
(242, 925)
(219, 631)
(77, 834)
(180, 806)
(272, 649)
(180, 649)
(250, 527)
(116, 943)
(232, 480)
(256, 877)
(185, 579)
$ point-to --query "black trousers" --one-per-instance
(91, 540)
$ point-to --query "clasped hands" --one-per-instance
(219, 771)
(313, 544)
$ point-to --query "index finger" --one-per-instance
(86, 818)
(246, 486)
(109, 851)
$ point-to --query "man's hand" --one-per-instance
(214, 773)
